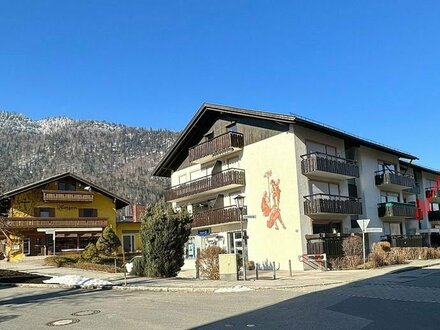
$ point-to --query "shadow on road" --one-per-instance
(408, 300)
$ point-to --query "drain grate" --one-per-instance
(62, 322)
(86, 313)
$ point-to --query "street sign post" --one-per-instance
(363, 223)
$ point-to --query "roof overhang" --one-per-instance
(119, 201)
(208, 113)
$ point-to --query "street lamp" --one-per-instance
(239, 201)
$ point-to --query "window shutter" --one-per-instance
(81, 213)
(95, 213)
(36, 212)
(52, 212)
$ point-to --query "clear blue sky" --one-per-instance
(368, 67)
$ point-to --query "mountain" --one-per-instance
(116, 157)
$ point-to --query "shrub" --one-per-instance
(108, 242)
(164, 233)
(207, 262)
(353, 251)
(60, 261)
(90, 254)
(138, 267)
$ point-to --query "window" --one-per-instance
(182, 179)
(232, 127)
(44, 212)
(128, 242)
(386, 167)
(26, 246)
(209, 136)
(322, 148)
(317, 187)
(66, 186)
(233, 162)
(88, 213)
(387, 197)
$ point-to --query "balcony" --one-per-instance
(396, 211)
(67, 196)
(219, 216)
(211, 184)
(433, 194)
(34, 222)
(325, 205)
(217, 147)
(321, 165)
(394, 180)
(434, 217)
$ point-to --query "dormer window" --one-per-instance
(209, 136)
(232, 127)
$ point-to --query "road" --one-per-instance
(409, 300)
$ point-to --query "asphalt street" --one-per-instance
(408, 300)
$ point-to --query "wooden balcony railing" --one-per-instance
(217, 216)
(335, 204)
(225, 178)
(394, 178)
(393, 209)
(67, 196)
(34, 222)
(434, 215)
(318, 161)
(218, 145)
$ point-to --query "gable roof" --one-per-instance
(208, 113)
(119, 201)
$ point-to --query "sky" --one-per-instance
(371, 68)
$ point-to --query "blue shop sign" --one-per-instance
(204, 232)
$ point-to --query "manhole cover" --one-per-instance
(86, 313)
(60, 323)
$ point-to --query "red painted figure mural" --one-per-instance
(272, 210)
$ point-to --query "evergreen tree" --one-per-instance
(164, 234)
(108, 242)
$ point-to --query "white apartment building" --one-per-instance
(306, 184)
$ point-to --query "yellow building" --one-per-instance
(64, 213)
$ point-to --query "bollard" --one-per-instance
(290, 268)
(116, 268)
(256, 271)
(274, 271)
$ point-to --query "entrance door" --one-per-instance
(235, 242)
(26, 246)
(128, 242)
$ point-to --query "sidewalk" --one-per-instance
(186, 282)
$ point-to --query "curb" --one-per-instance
(410, 268)
(158, 288)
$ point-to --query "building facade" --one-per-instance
(303, 182)
(63, 213)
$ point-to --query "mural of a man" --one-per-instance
(272, 211)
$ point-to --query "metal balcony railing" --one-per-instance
(394, 178)
(334, 204)
(218, 145)
(394, 209)
(318, 161)
(221, 179)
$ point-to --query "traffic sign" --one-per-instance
(363, 223)
(373, 230)
(248, 216)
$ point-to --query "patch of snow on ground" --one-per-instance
(237, 288)
(76, 280)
